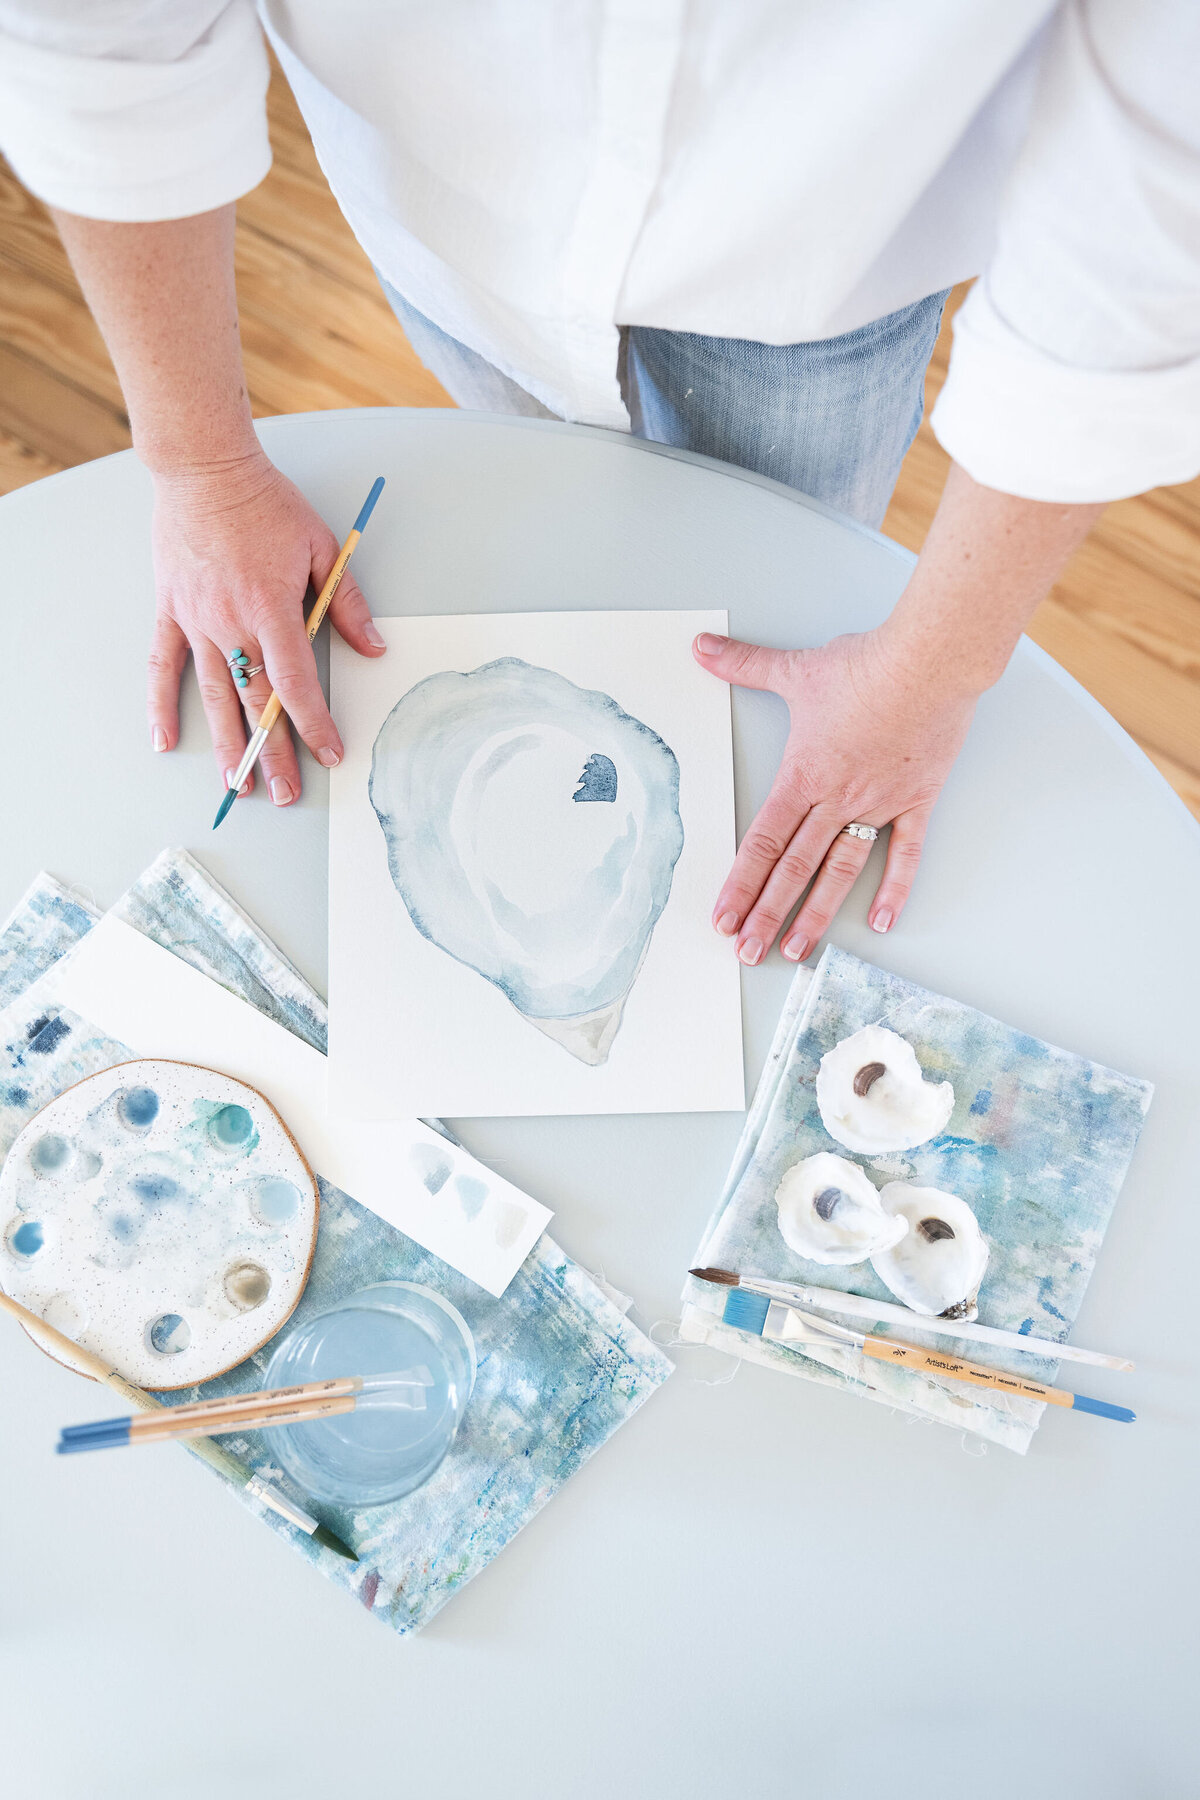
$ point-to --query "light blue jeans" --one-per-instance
(832, 417)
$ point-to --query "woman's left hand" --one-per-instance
(873, 736)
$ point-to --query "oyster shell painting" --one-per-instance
(532, 831)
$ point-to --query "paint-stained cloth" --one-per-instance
(1038, 1145)
(560, 1367)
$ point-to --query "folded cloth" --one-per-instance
(560, 1368)
(1038, 1145)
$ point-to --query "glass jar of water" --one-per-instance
(388, 1445)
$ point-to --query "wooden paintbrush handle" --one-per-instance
(312, 624)
(199, 1410)
(953, 1368)
(163, 1426)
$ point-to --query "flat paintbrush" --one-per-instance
(853, 1306)
(761, 1316)
(312, 625)
(85, 1363)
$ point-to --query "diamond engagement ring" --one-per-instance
(868, 832)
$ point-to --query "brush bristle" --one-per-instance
(323, 1535)
(746, 1311)
(723, 1277)
(224, 807)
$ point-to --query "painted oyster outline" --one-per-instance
(464, 914)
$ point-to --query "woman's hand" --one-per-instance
(236, 547)
(873, 736)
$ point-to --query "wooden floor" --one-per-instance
(1125, 619)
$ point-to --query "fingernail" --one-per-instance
(796, 949)
(158, 738)
(751, 951)
(281, 791)
(374, 636)
(329, 757)
(230, 775)
(727, 924)
(708, 645)
(882, 920)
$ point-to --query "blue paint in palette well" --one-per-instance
(138, 1107)
(169, 1334)
(231, 1127)
(275, 1201)
(28, 1238)
(50, 1153)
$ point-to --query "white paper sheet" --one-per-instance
(416, 1025)
(437, 1194)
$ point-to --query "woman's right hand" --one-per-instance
(236, 547)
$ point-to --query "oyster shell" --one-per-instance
(829, 1212)
(873, 1097)
(938, 1263)
(532, 832)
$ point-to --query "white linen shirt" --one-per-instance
(532, 174)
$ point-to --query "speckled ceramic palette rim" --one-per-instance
(276, 1321)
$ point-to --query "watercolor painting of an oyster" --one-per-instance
(532, 831)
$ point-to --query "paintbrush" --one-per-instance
(312, 625)
(853, 1306)
(85, 1363)
(404, 1390)
(761, 1316)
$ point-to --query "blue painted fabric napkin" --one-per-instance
(560, 1367)
(1038, 1145)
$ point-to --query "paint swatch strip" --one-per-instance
(432, 1190)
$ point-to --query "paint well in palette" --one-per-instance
(165, 1212)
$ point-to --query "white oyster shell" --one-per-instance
(829, 1212)
(938, 1263)
(532, 832)
(873, 1097)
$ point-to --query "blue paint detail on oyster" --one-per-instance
(598, 781)
(475, 779)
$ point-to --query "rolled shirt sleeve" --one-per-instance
(1075, 373)
(138, 111)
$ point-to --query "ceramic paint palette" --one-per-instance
(159, 1214)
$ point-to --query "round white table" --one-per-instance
(760, 1586)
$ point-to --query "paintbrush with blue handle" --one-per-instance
(312, 625)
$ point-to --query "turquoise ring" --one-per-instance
(239, 668)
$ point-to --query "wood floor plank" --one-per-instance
(20, 463)
(53, 417)
(58, 332)
(341, 346)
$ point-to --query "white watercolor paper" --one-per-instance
(433, 1191)
(527, 834)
